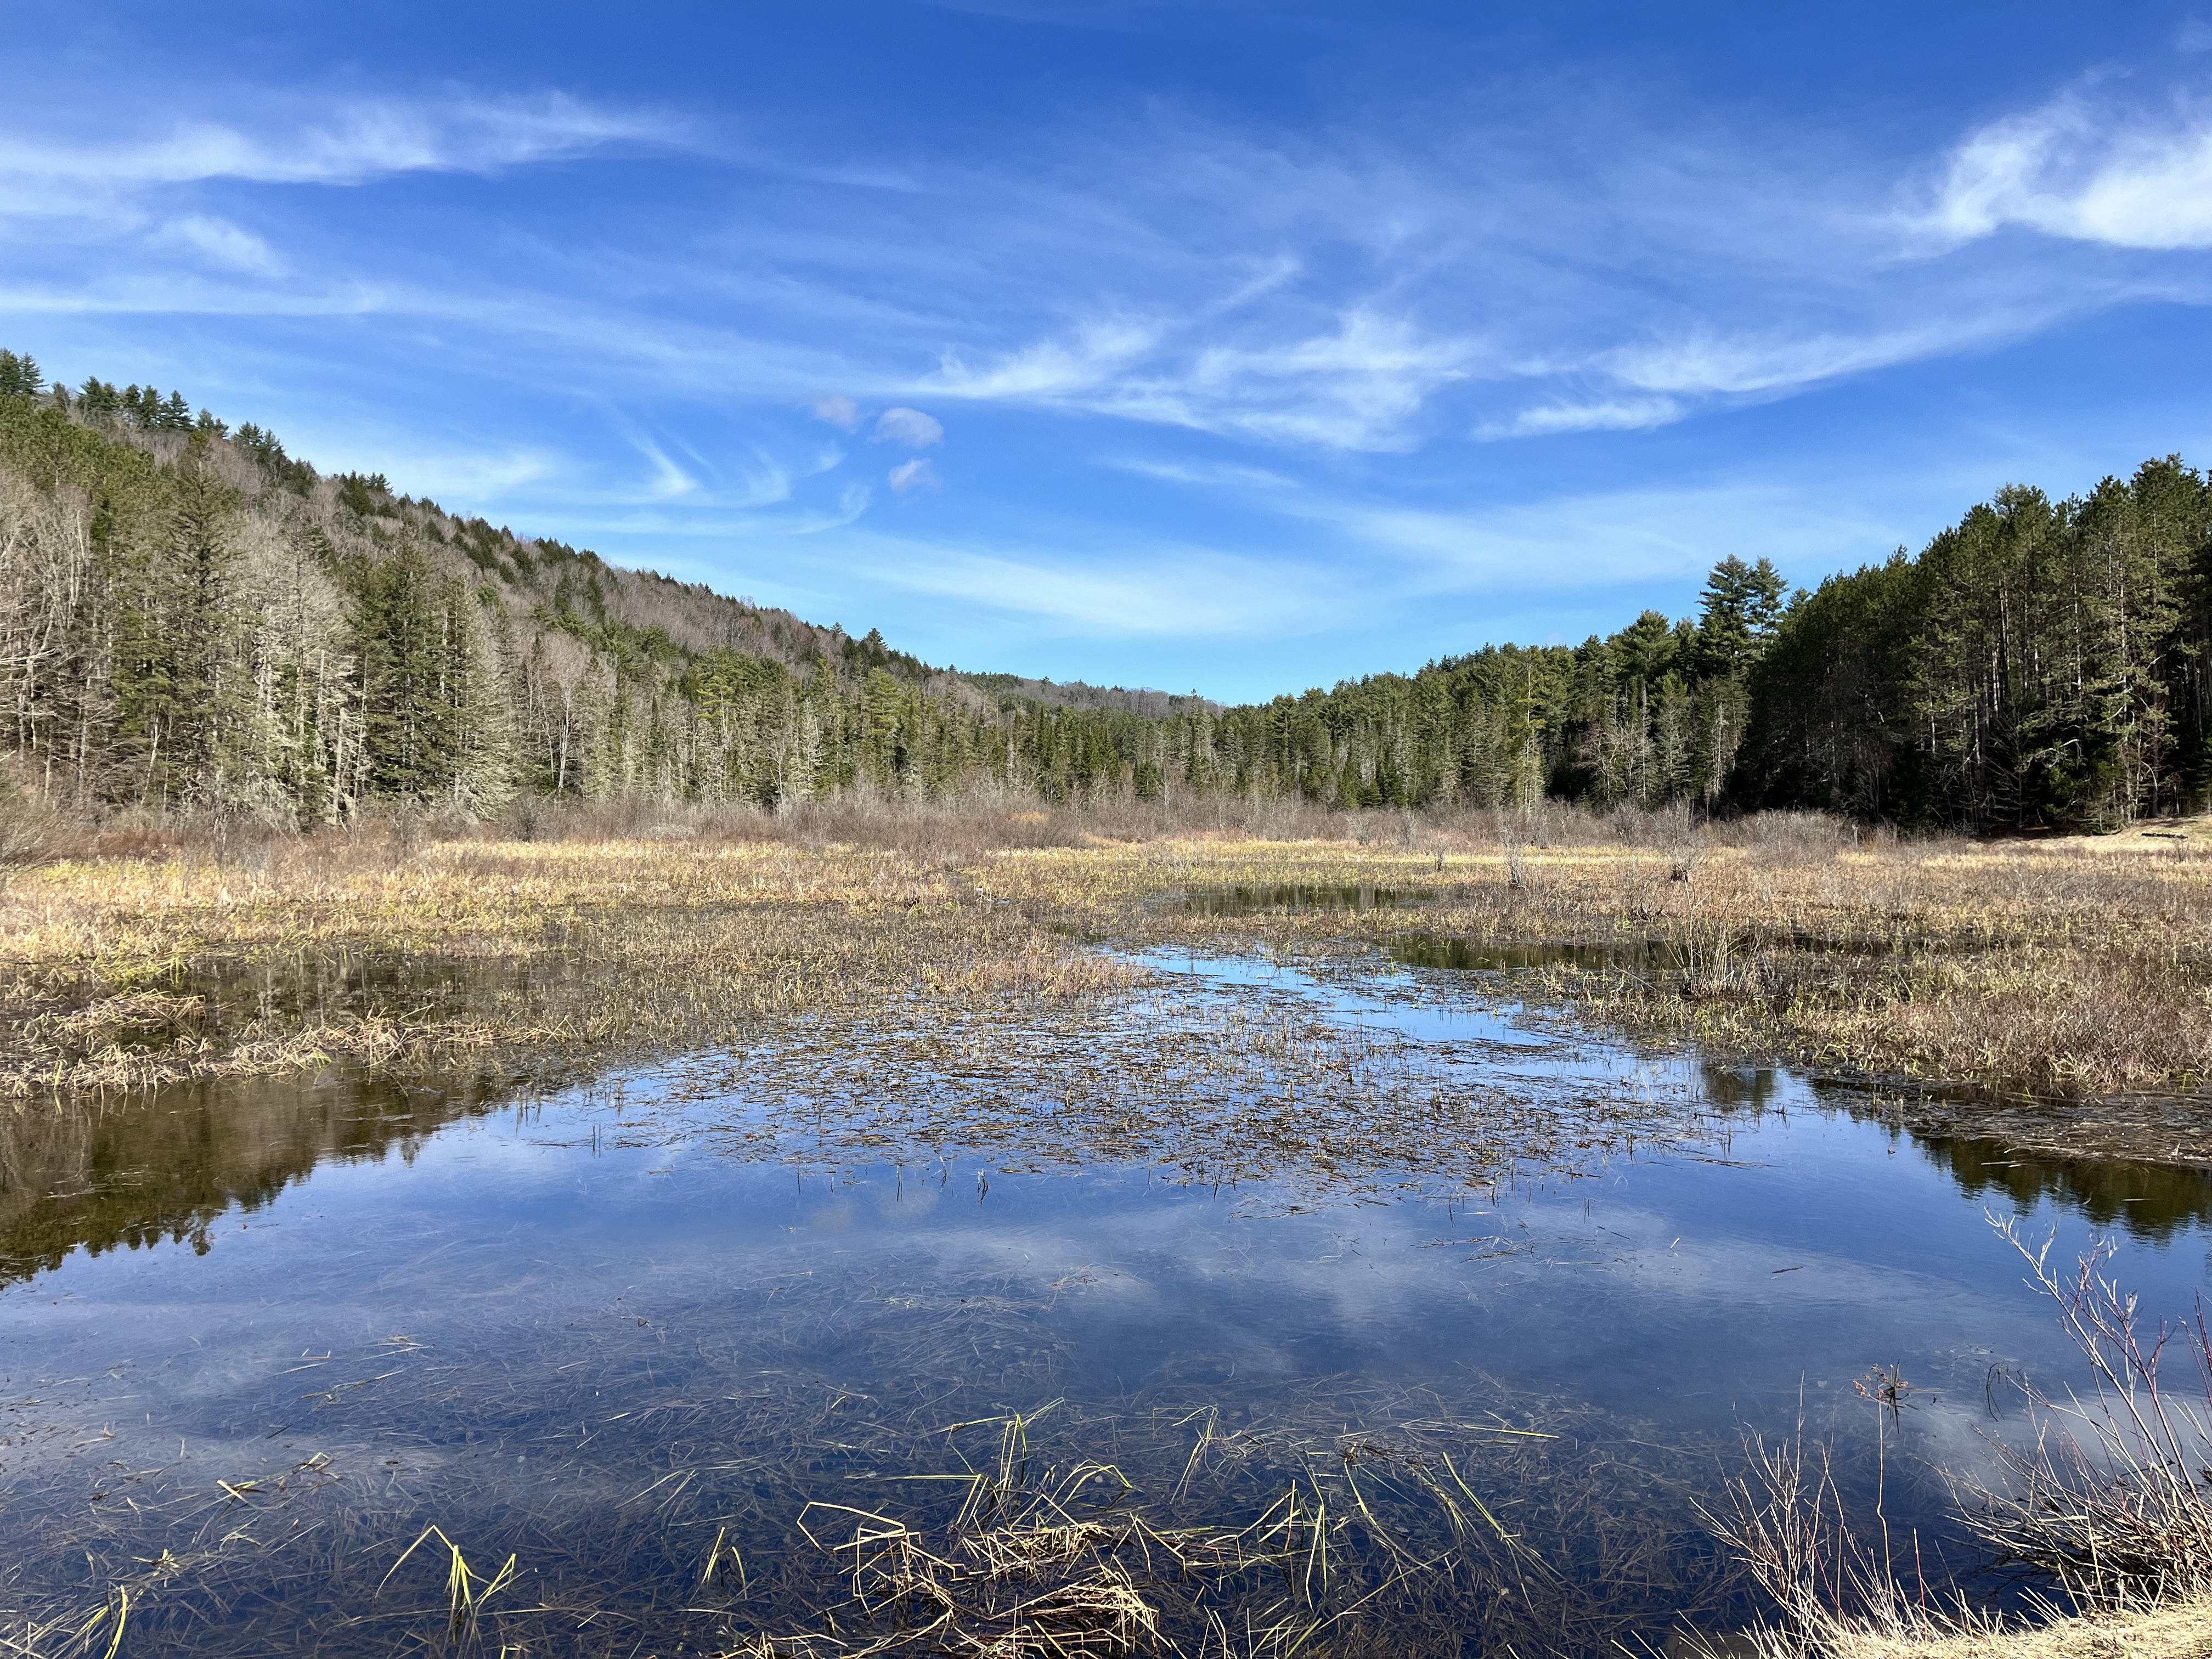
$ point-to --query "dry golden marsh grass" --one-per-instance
(2177, 1629)
(2074, 969)
(2183, 1631)
(955, 980)
(623, 943)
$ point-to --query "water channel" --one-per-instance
(255, 1338)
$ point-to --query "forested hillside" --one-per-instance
(192, 620)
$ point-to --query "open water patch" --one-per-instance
(256, 1338)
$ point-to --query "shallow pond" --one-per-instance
(254, 1341)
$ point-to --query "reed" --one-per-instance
(2112, 1502)
(2107, 1507)
(2071, 969)
(859, 1524)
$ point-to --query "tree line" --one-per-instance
(192, 620)
(2040, 663)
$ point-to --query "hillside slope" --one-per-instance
(191, 619)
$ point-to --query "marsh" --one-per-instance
(813, 1247)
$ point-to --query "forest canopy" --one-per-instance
(193, 620)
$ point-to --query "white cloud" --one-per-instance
(177, 293)
(1050, 370)
(220, 242)
(1204, 474)
(1352, 289)
(354, 144)
(1353, 388)
(1599, 539)
(852, 501)
(1563, 543)
(917, 474)
(442, 474)
(1354, 385)
(1357, 293)
(1723, 269)
(2087, 172)
(909, 426)
(712, 516)
(1614, 415)
(1705, 362)
(670, 481)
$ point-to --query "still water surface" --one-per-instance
(254, 1341)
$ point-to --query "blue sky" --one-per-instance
(1229, 345)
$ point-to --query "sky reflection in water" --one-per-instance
(510, 1320)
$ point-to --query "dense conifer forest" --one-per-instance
(193, 620)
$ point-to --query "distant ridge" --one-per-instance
(191, 619)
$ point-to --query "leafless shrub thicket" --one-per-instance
(2108, 1505)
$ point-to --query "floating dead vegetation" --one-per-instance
(801, 1491)
(812, 1520)
(1116, 1063)
(2073, 968)
(1225, 1088)
(835, 1473)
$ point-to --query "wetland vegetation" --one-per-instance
(2062, 983)
(544, 1110)
(1293, 1016)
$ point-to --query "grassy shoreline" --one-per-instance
(2047, 993)
(2057, 992)
(2181, 1630)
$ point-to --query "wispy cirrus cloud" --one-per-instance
(220, 242)
(1644, 279)
(1354, 385)
(670, 481)
(1599, 539)
(1215, 474)
(1702, 361)
(446, 474)
(1286, 320)
(1367, 291)
(1606, 415)
(1083, 360)
(350, 145)
(1564, 541)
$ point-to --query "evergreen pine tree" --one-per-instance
(1738, 613)
(19, 376)
(402, 640)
